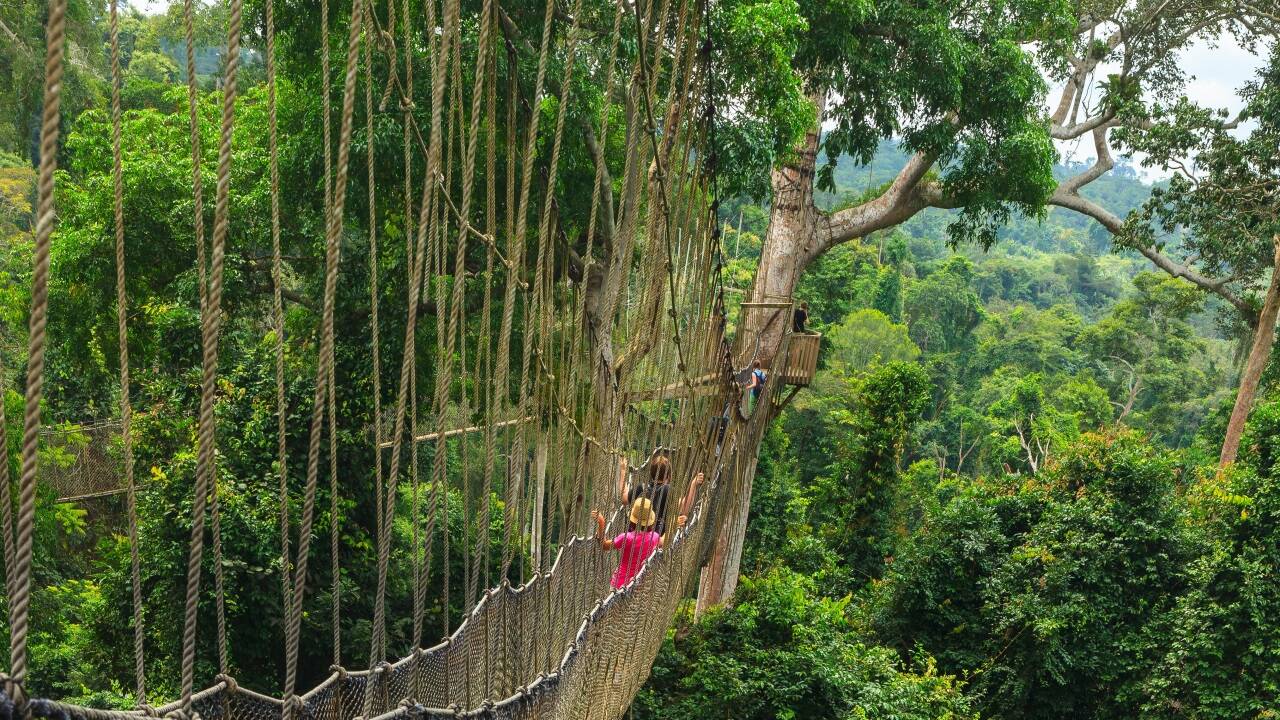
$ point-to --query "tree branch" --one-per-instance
(906, 196)
(606, 220)
(1067, 195)
(16, 40)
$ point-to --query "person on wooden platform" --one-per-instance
(800, 318)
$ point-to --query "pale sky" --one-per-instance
(1215, 74)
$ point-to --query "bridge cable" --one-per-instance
(277, 317)
(126, 409)
(333, 233)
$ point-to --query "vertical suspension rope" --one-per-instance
(501, 382)
(454, 128)
(426, 549)
(326, 103)
(521, 228)
(6, 494)
(211, 319)
(20, 600)
(335, 559)
(433, 162)
(277, 316)
(126, 408)
(376, 374)
(333, 231)
(219, 592)
(406, 108)
(459, 268)
(486, 341)
(335, 563)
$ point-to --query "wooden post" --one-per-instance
(539, 500)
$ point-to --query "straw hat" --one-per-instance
(642, 513)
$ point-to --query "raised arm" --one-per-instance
(605, 542)
(662, 541)
(691, 495)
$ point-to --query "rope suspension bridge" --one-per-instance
(581, 358)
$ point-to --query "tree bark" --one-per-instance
(788, 243)
(798, 234)
(1259, 354)
(720, 577)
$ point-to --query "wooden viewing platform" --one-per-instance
(802, 359)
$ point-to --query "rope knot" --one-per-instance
(15, 696)
(148, 710)
(232, 686)
(339, 670)
(46, 709)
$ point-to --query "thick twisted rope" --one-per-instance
(423, 550)
(518, 248)
(406, 364)
(335, 561)
(198, 202)
(333, 233)
(126, 409)
(6, 494)
(20, 599)
(444, 373)
(211, 321)
(277, 316)
(326, 108)
(376, 371)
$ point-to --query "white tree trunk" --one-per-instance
(1259, 354)
(539, 500)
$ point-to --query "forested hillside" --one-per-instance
(998, 497)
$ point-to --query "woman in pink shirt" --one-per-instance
(637, 544)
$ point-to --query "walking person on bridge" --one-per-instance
(656, 490)
(757, 381)
(636, 544)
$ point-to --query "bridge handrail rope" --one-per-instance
(562, 643)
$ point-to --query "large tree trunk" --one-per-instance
(798, 234)
(1259, 354)
(719, 578)
(789, 245)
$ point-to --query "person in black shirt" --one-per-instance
(801, 317)
(656, 489)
